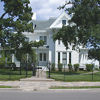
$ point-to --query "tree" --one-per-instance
(95, 54)
(15, 19)
(84, 25)
(27, 48)
(38, 44)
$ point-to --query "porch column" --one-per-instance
(13, 58)
(67, 58)
(49, 56)
(61, 57)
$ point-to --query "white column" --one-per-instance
(81, 61)
(60, 57)
(67, 57)
(13, 58)
(49, 56)
(56, 59)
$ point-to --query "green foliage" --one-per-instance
(24, 52)
(94, 54)
(70, 67)
(53, 67)
(89, 67)
(60, 66)
(7, 65)
(15, 19)
(66, 34)
(38, 44)
(84, 24)
(76, 67)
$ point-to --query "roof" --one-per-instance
(42, 25)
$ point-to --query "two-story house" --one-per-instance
(55, 51)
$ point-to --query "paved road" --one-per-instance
(93, 94)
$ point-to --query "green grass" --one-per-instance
(8, 75)
(1, 86)
(80, 87)
(75, 77)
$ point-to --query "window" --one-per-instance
(63, 22)
(40, 56)
(58, 57)
(44, 38)
(70, 57)
(41, 37)
(64, 58)
(43, 57)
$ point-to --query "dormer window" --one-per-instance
(63, 22)
(35, 26)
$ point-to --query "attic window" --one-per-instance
(63, 22)
(35, 26)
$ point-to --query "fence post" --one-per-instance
(49, 69)
(64, 72)
(92, 71)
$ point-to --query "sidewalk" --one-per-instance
(43, 85)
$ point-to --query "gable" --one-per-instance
(58, 22)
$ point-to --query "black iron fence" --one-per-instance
(62, 73)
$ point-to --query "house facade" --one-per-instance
(55, 51)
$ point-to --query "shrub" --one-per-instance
(2, 65)
(89, 67)
(53, 67)
(70, 67)
(60, 66)
(76, 67)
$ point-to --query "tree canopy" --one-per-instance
(15, 19)
(84, 26)
(95, 54)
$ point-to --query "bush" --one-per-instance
(53, 67)
(89, 67)
(76, 67)
(7, 65)
(70, 67)
(2, 65)
(60, 66)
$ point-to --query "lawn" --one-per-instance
(75, 76)
(79, 87)
(9, 75)
(1, 86)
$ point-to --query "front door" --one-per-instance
(43, 59)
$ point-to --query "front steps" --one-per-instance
(40, 76)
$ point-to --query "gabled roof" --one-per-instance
(42, 25)
(51, 23)
(55, 23)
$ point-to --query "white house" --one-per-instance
(55, 51)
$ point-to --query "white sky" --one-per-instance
(46, 8)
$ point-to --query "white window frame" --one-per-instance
(44, 38)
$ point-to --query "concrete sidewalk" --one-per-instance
(43, 85)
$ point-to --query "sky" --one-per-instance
(44, 9)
